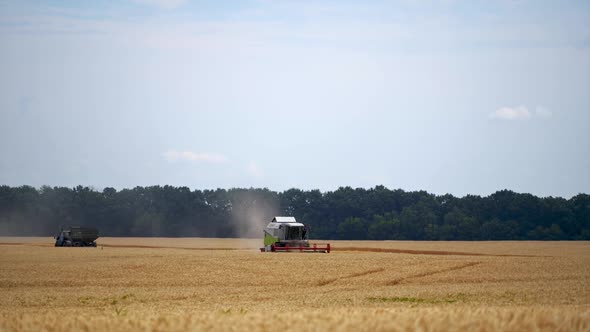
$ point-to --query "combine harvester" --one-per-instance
(285, 234)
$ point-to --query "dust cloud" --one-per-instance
(251, 212)
(15, 224)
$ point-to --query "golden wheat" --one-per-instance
(199, 284)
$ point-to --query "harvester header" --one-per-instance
(285, 234)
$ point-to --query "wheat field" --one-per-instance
(161, 284)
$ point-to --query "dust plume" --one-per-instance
(18, 224)
(252, 211)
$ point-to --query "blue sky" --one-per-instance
(461, 97)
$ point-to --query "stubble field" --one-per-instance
(227, 284)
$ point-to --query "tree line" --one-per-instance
(376, 213)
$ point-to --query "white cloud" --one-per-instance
(511, 113)
(520, 113)
(542, 112)
(165, 4)
(254, 170)
(174, 156)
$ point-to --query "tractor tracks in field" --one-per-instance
(430, 273)
(325, 282)
(426, 252)
(400, 280)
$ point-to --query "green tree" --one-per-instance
(384, 227)
(352, 228)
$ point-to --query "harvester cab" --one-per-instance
(284, 234)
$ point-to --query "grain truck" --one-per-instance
(76, 236)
